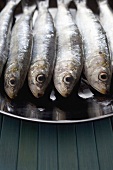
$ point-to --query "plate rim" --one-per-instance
(56, 121)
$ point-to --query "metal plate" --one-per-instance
(52, 108)
(81, 106)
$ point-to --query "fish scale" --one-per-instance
(20, 52)
(97, 66)
(69, 61)
(106, 19)
(43, 58)
(6, 18)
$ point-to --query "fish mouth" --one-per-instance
(102, 91)
(63, 92)
(38, 95)
(11, 95)
(36, 92)
(64, 95)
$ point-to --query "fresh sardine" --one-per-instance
(20, 52)
(43, 57)
(6, 18)
(69, 61)
(97, 66)
(106, 19)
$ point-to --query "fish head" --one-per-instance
(11, 81)
(66, 75)
(38, 78)
(100, 79)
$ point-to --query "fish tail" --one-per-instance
(66, 2)
(28, 6)
(77, 2)
(16, 2)
(102, 1)
(42, 4)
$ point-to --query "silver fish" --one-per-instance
(97, 66)
(69, 61)
(20, 52)
(6, 18)
(106, 19)
(43, 57)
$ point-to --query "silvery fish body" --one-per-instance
(97, 66)
(43, 57)
(106, 19)
(6, 18)
(69, 53)
(19, 54)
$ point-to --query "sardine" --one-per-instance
(106, 19)
(6, 18)
(43, 57)
(97, 65)
(69, 53)
(20, 52)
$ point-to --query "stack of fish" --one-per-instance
(61, 49)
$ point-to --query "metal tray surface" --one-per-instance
(52, 108)
(82, 106)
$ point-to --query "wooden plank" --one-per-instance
(104, 140)
(67, 149)
(87, 153)
(9, 143)
(27, 153)
(47, 155)
(1, 118)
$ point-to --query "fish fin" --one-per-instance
(28, 6)
(66, 2)
(16, 2)
(42, 4)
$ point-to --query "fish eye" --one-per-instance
(12, 82)
(103, 76)
(41, 78)
(68, 79)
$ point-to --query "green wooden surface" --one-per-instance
(87, 152)
(9, 143)
(37, 146)
(1, 117)
(47, 155)
(104, 140)
(28, 146)
(67, 148)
